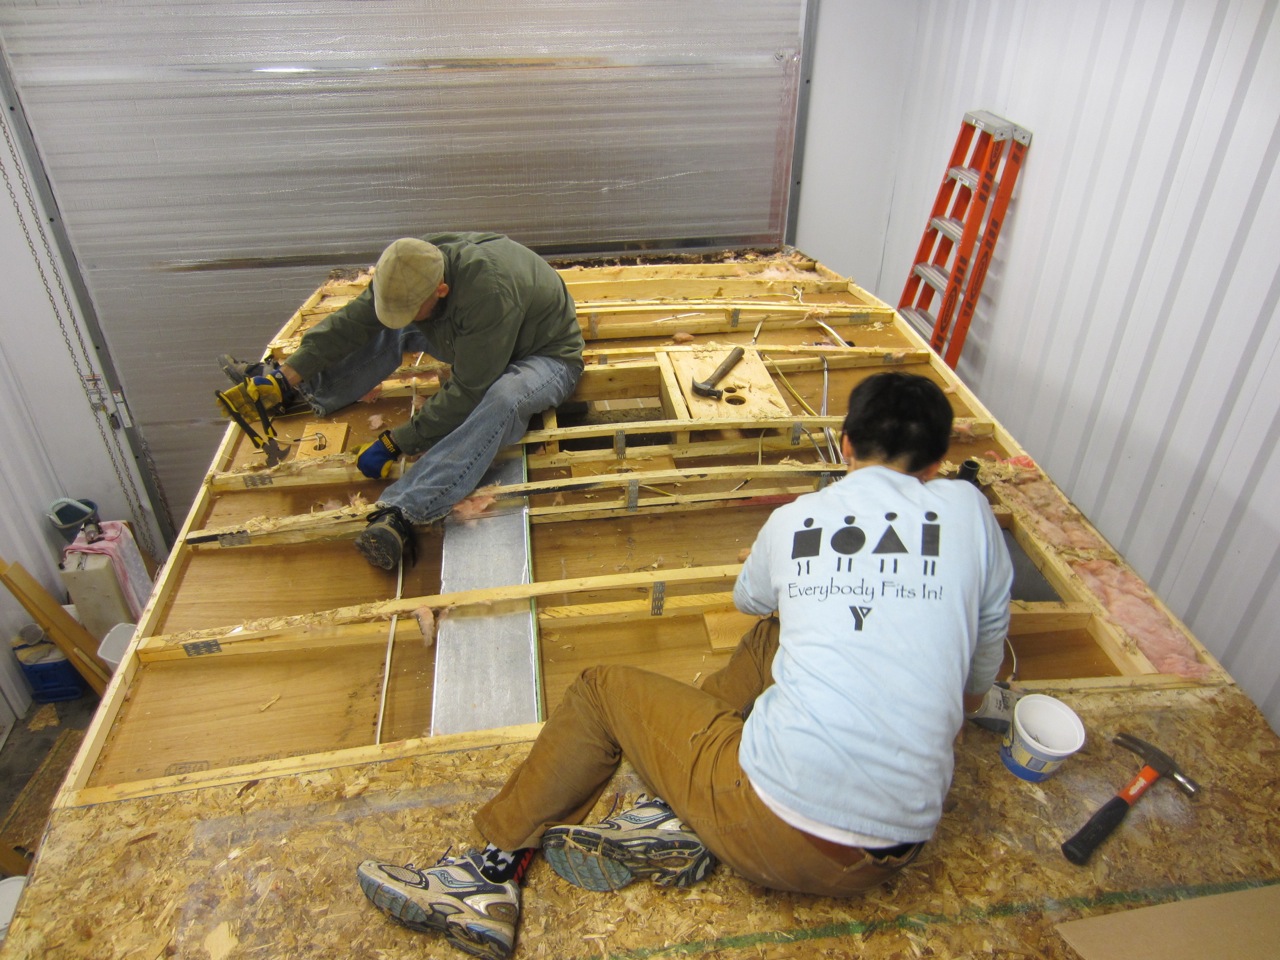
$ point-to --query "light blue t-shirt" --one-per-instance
(893, 598)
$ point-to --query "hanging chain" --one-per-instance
(110, 441)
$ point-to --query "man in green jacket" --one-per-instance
(495, 311)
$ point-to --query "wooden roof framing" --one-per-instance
(653, 462)
(262, 651)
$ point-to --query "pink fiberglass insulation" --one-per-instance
(1053, 518)
(1132, 608)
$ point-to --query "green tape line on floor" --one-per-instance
(920, 922)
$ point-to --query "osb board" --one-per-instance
(267, 868)
(747, 389)
(676, 647)
(626, 543)
(231, 585)
(321, 440)
(218, 710)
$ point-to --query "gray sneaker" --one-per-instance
(646, 842)
(476, 915)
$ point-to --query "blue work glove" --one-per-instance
(376, 457)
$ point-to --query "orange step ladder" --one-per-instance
(967, 215)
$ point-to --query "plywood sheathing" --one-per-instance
(266, 867)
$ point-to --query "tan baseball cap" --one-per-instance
(408, 273)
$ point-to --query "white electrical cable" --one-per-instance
(386, 662)
(395, 617)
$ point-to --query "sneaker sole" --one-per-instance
(463, 932)
(584, 868)
(233, 368)
(600, 860)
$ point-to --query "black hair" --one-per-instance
(897, 415)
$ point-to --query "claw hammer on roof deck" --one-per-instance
(1157, 764)
(707, 388)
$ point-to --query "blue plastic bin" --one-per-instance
(53, 680)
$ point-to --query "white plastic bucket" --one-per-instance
(10, 892)
(1044, 732)
(115, 643)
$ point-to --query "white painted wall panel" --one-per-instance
(1127, 334)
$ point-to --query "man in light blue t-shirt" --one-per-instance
(817, 759)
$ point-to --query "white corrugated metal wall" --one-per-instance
(212, 161)
(1127, 332)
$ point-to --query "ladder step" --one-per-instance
(933, 275)
(967, 176)
(998, 127)
(921, 320)
(949, 227)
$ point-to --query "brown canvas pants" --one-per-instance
(683, 742)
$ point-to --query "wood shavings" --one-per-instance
(46, 716)
(375, 422)
(221, 941)
(372, 395)
(268, 705)
(991, 882)
(302, 521)
(1050, 514)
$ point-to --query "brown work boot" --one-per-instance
(388, 539)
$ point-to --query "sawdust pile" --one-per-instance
(265, 867)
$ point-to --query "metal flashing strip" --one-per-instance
(486, 659)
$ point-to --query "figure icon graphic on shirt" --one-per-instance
(930, 543)
(847, 541)
(890, 543)
(806, 544)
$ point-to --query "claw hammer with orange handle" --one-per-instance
(1157, 764)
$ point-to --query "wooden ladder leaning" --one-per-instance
(984, 163)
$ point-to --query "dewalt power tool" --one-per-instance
(256, 398)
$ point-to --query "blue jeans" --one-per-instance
(451, 469)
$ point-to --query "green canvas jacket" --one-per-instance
(505, 303)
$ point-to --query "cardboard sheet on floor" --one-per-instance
(1244, 925)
